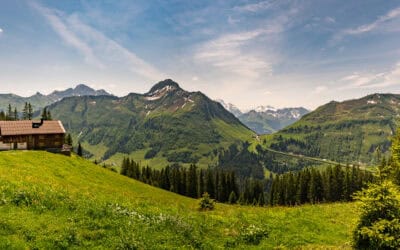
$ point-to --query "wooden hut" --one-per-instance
(27, 134)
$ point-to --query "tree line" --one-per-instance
(12, 113)
(221, 185)
(309, 185)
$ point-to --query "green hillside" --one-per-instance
(347, 132)
(58, 202)
(163, 126)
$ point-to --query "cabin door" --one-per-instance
(15, 146)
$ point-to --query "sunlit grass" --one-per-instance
(49, 200)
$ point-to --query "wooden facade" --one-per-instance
(29, 135)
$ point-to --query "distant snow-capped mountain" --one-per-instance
(231, 108)
(266, 119)
(264, 108)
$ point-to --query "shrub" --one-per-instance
(253, 235)
(206, 203)
(379, 225)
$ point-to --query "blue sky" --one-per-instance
(276, 52)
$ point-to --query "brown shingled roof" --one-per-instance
(25, 128)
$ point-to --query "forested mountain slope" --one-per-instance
(348, 132)
(165, 125)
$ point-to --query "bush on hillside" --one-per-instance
(206, 203)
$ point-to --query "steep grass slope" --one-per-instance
(56, 202)
(163, 126)
(347, 132)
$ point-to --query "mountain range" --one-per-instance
(165, 125)
(168, 124)
(38, 100)
(266, 119)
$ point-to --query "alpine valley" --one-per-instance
(170, 125)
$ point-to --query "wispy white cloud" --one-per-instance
(1, 30)
(255, 7)
(69, 37)
(96, 48)
(329, 19)
(225, 52)
(320, 89)
(369, 27)
(372, 81)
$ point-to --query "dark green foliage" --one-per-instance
(15, 115)
(221, 185)
(46, 115)
(27, 111)
(10, 115)
(314, 186)
(239, 159)
(80, 150)
(151, 153)
(232, 198)
(379, 224)
(68, 139)
(206, 203)
(184, 157)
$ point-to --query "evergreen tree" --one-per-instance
(9, 115)
(15, 116)
(191, 182)
(44, 113)
(206, 203)
(80, 152)
(25, 112)
(49, 115)
(210, 184)
(232, 198)
(30, 111)
(68, 139)
(379, 225)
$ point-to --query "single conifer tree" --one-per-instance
(15, 116)
(25, 112)
(80, 151)
(44, 114)
(232, 198)
(30, 111)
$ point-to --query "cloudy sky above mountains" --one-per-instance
(250, 53)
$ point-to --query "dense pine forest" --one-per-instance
(310, 185)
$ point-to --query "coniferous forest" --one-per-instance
(310, 185)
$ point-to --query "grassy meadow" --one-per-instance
(58, 202)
